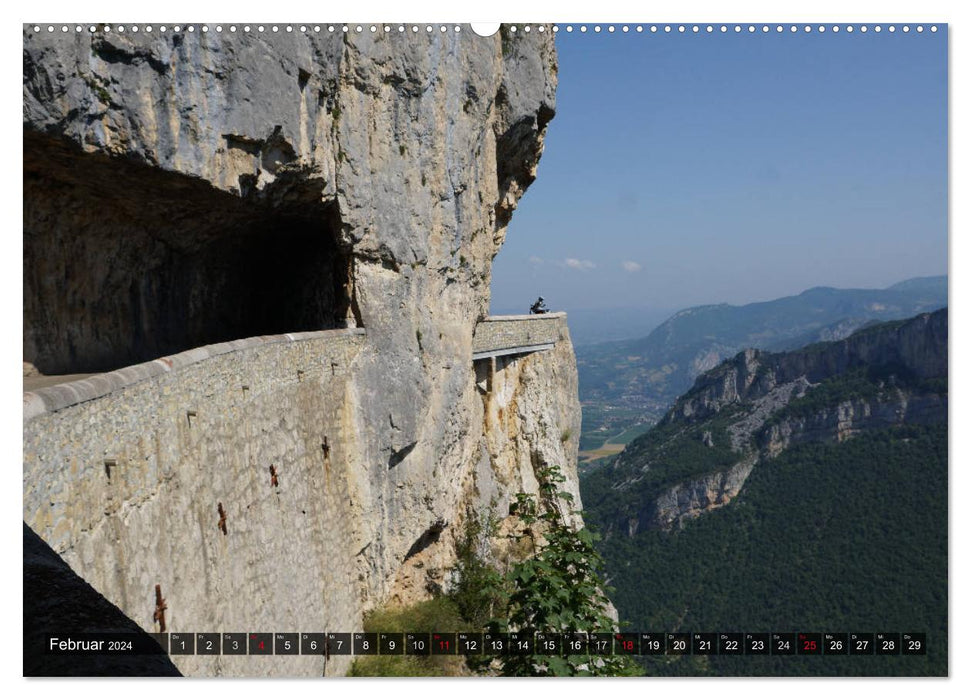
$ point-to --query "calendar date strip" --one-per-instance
(492, 644)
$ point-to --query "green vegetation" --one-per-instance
(591, 442)
(439, 614)
(594, 440)
(679, 449)
(558, 589)
(477, 594)
(858, 383)
(646, 375)
(629, 435)
(603, 423)
(555, 587)
(676, 452)
(826, 537)
(97, 88)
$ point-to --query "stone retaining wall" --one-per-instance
(498, 333)
(123, 474)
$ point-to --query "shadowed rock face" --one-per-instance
(124, 263)
(58, 601)
(186, 188)
(406, 154)
(388, 165)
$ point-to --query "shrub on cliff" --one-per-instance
(558, 589)
(477, 593)
(555, 587)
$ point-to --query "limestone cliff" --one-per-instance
(193, 189)
(917, 347)
(757, 404)
(692, 498)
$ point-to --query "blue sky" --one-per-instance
(685, 169)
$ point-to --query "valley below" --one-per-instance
(626, 386)
(801, 490)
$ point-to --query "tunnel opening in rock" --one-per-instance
(125, 262)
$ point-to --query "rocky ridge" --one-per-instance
(649, 374)
(754, 406)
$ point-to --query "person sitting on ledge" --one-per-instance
(539, 307)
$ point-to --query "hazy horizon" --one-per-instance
(591, 326)
(512, 309)
(684, 170)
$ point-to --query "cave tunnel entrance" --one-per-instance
(124, 263)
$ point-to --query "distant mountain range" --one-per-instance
(593, 326)
(790, 490)
(645, 376)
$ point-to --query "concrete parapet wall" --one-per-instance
(497, 333)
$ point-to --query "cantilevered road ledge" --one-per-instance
(516, 335)
(495, 336)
